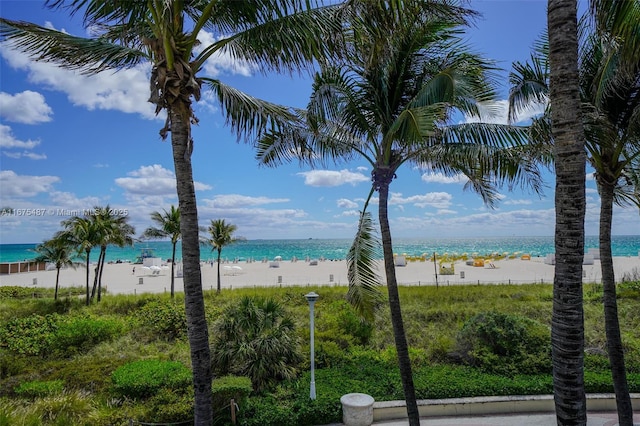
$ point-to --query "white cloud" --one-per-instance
(440, 200)
(26, 154)
(441, 178)
(518, 202)
(21, 186)
(26, 107)
(343, 203)
(68, 201)
(349, 213)
(153, 180)
(221, 62)
(235, 201)
(8, 140)
(497, 113)
(333, 178)
(126, 90)
(525, 222)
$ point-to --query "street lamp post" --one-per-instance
(311, 298)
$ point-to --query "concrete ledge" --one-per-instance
(390, 410)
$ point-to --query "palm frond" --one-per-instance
(249, 116)
(86, 55)
(489, 166)
(364, 282)
(282, 42)
(529, 84)
(486, 134)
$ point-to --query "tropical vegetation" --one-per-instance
(219, 234)
(567, 326)
(167, 226)
(100, 227)
(256, 338)
(608, 86)
(407, 73)
(271, 36)
(58, 252)
(127, 358)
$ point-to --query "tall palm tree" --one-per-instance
(274, 34)
(113, 229)
(392, 102)
(610, 98)
(168, 226)
(59, 252)
(81, 233)
(567, 323)
(219, 235)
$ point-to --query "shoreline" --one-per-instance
(119, 278)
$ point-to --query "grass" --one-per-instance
(350, 356)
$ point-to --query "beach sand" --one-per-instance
(119, 279)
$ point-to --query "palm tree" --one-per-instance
(256, 338)
(113, 229)
(567, 322)
(610, 98)
(276, 35)
(168, 223)
(81, 233)
(220, 234)
(59, 252)
(391, 102)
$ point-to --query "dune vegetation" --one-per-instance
(64, 363)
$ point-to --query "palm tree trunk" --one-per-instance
(399, 335)
(567, 323)
(193, 297)
(55, 294)
(101, 270)
(219, 254)
(173, 263)
(97, 273)
(612, 324)
(88, 301)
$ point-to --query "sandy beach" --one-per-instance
(120, 278)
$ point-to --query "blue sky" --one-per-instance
(70, 142)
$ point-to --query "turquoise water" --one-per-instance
(628, 245)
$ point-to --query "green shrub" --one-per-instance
(629, 289)
(327, 354)
(169, 405)
(82, 374)
(31, 335)
(79, 334)
(141, 379)
(354, 325)
(256, 338)
(67, 408)
(166, 319)
(12, 364)
(224, 390)
(19, 292)
(37, 388)
(504, 344)
(268, 411)
(339, 323)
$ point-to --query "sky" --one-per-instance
(69, 142)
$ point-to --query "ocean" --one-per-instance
(622, 245)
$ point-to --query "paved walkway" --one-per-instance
(533, 419)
